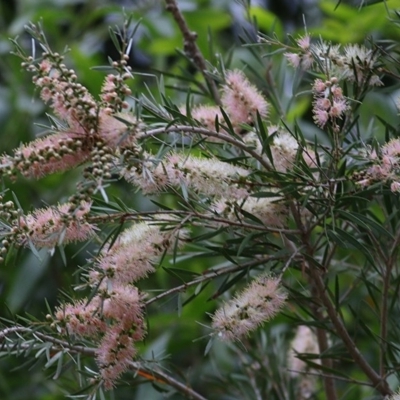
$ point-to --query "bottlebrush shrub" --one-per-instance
(308, 229)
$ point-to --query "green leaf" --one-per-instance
(346, 240)
(227, 284)
(365, 222)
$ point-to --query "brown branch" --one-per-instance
(387, 272)
(190, 47)
(379, 383)
(323, 346)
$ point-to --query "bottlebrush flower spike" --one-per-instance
(114, 317)
(48, 227)
(119, 130)
(305, 341)
(54, 153)
(268, 210)
(207, 115)
(241, 99)
(258, 303)
(207, 176)
(132, 256)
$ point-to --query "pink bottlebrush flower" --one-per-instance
(45, 66)
(258, 303)
(69, 100)
(359, 55)
(337, 92)
(327, 53)
(321, 117)
(307, 61)
(81, 318)
(304, 341)
(392, 148)
(113, 92)
(115, 317)
(329, 103)
(132, 256)
(304, 42)
(54, 153)
(310, 158)
(209, 177)
(319, 86)
(122, 305)
(268, 210)
(109, 84)
(359, 63)
(395, 187)
(207, 115)
(338, 108)
(143, 175)
(284, 149)
(114, 354)
(241, 99)
(115, 131)
(51, 226)
(374, 80)
(322, 103)
(379, 172)
(293, 58)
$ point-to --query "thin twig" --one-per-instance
(338, 378)
(146, 216)
(213, 274)
(90, 351)
(209, 133)
(190, 47)
(180, 387)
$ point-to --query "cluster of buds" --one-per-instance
(354, 63)
(58, 85)
(115, 89)
(385, 168)
(329, 103)
(88, 131)
(8, 216)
